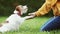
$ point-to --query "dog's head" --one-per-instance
(21, 9)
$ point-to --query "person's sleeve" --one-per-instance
(46, 7)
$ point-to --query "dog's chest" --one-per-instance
(15, 19)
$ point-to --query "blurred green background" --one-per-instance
(7, 6)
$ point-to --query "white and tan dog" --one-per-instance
(15, 20)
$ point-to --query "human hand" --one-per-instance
(32, 14)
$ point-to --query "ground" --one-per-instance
(31, 26)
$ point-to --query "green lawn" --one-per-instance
(31, 26)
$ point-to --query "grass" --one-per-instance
(31, 26)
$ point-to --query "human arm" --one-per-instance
(46, 7)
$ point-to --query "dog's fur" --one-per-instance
(15, 20)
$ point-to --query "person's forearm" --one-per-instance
(45, 8)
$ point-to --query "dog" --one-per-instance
(15, 20)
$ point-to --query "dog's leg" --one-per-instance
(28, 17)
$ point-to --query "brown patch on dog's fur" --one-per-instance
(3, 23)
(6, 21)
(0, 25)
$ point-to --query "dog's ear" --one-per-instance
(18, 9)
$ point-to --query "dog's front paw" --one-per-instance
(29, 17)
